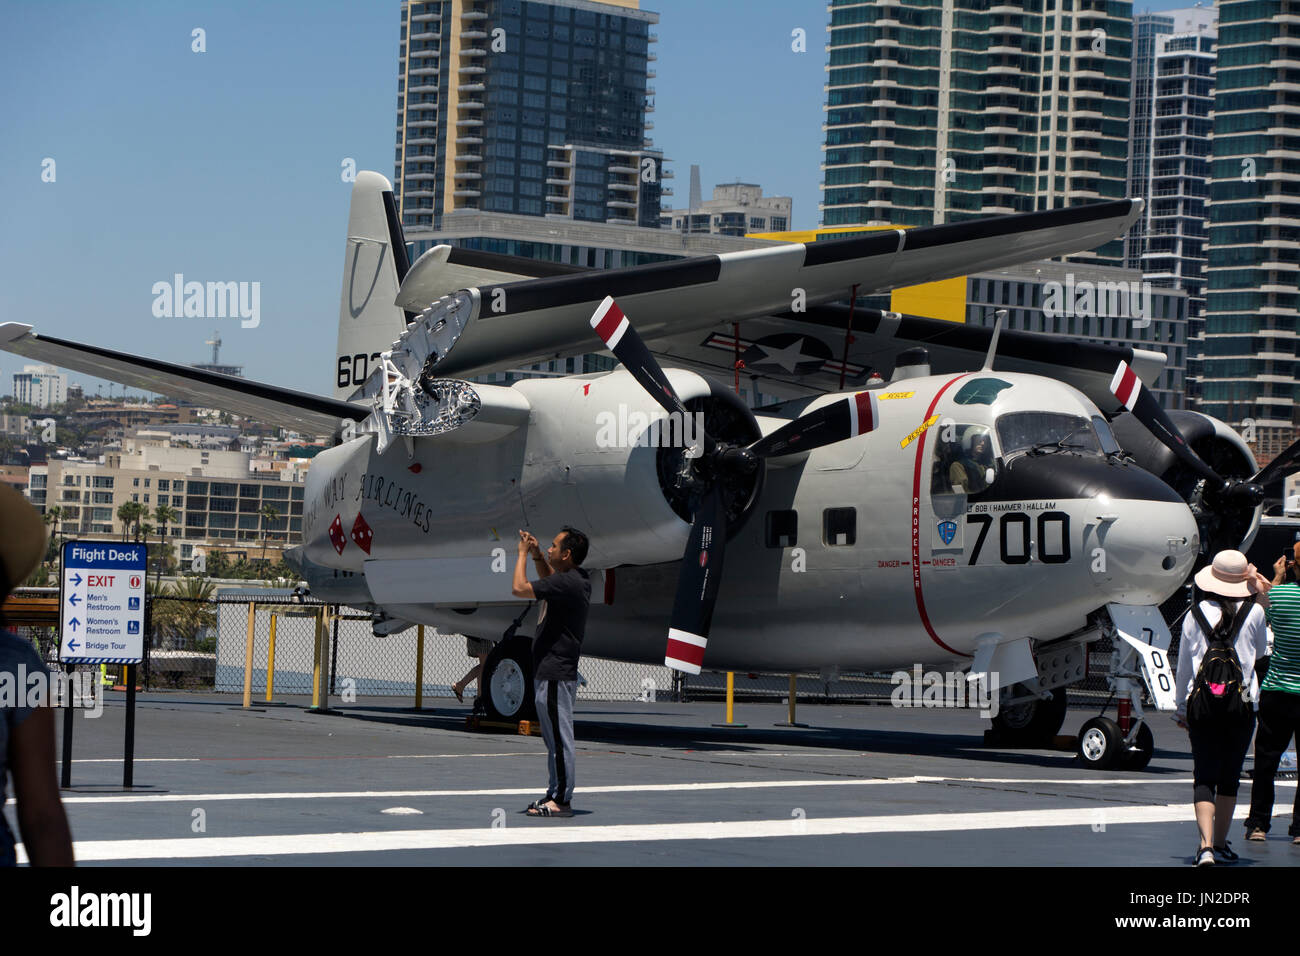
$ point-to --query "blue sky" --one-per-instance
(225, 165)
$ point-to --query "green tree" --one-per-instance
(181, 610)
(268, 514)
(53, 516)
(163, 514)
(130, 513)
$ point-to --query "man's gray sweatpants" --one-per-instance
(555, 714)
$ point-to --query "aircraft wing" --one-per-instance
(798, 354)
(503, 325)
(298, 411)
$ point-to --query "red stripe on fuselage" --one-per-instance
(866, 422)
(916, 521)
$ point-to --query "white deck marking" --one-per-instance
(518, 753)
(551, 833)
(621, 788)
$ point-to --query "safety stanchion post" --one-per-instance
(419, 667)
(731, 702)
(790, 721)
(316, 660)
(248, 655)
(270, 662)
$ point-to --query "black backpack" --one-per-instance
(1217, 693)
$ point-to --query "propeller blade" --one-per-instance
(697, 585)
(1279, 465)
(854, 415)
(1137, 398)
(620, 338)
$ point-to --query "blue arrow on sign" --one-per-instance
(76, 580)
(73, 645)
(73, 600)
(75, 623)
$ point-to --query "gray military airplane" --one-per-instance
(999, 504)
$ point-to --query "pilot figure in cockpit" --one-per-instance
(969, 473)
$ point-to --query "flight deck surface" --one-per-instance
(378, 783)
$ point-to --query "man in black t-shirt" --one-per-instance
(565, 589)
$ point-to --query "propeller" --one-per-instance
(701, 568)
(1137, 398)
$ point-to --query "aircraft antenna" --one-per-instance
(998, 318)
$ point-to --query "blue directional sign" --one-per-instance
(101, 613)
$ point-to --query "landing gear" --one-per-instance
(507, 681)
(1031, 723)
(1100, 743)
(1138, 754)
(1102, 747)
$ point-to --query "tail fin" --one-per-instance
(374, 264)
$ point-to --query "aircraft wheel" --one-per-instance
(507, 681)
(1100, 743)
(1137, 757)
(1033, 723)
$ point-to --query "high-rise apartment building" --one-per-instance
(1147, 28)
(1177, 155)
(531, 107)
(40, 386)
(1252, 312)
(943, 110)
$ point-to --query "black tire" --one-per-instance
(1139, 755)
(1034, 723)
(1100, 744)
(507, 681)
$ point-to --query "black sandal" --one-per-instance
(541, 810)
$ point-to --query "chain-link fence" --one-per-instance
(203, 644)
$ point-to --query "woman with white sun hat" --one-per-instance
(1229, 620)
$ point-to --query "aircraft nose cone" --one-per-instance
(1142, 551)
(294, 557)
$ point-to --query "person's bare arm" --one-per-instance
(41, 820)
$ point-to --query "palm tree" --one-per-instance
(163, 514)
(52, 515)
(129, 513)
(268, 514)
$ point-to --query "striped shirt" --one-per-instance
(1284, 618)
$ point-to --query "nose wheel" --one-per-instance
(1101, 746)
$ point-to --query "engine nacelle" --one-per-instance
(597, 453)
(1219, 447)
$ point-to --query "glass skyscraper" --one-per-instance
(943, 110)
(531, 107)
(1252, 314)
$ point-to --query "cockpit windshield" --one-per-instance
(1046, 432)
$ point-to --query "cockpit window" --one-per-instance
(963, 460)
(1108, 443)
(980, 391)
(1046, 432)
